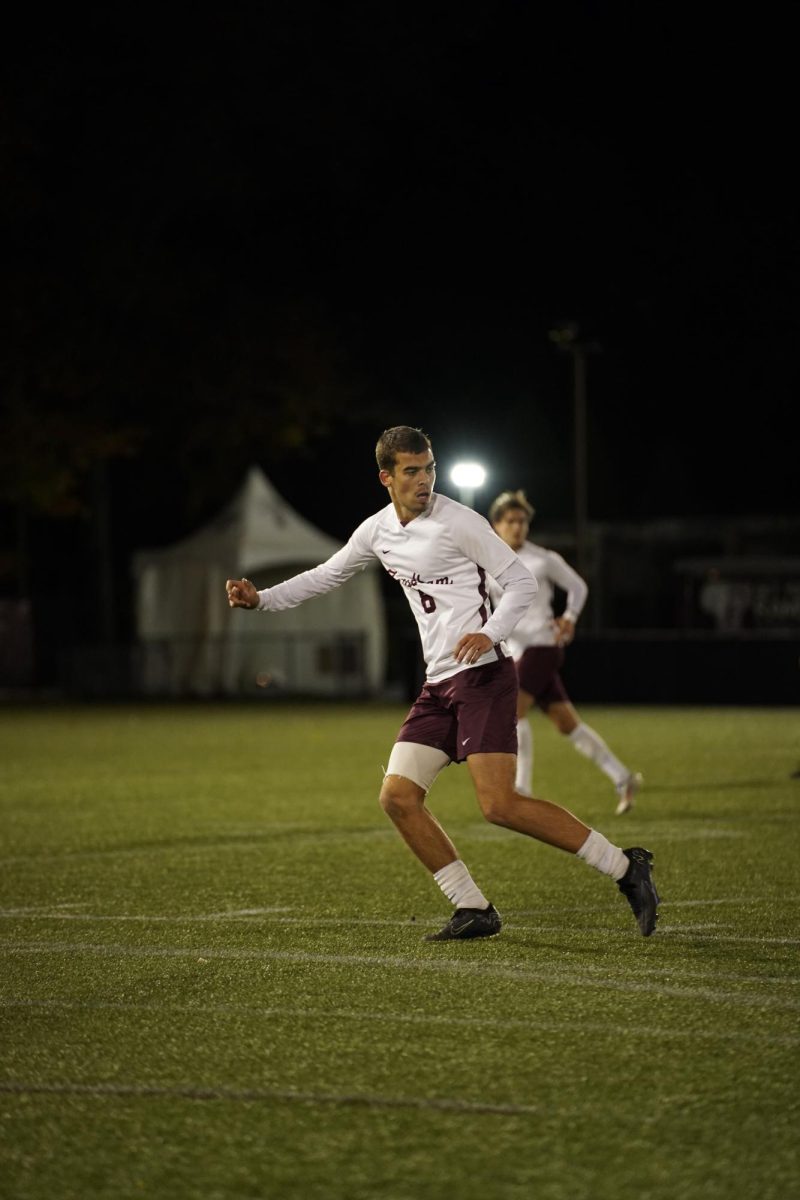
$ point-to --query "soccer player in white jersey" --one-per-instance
(537, 644)
(440, 553)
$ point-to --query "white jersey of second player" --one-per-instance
(441, 559)
(535, 628)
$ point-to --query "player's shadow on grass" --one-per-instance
(529, 939)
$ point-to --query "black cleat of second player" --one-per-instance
(639, 890)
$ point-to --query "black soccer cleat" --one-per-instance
(639, 890)
(469, 923)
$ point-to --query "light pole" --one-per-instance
(468, 477)
(566, 338)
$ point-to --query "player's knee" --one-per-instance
(399, 797)
(495, 805)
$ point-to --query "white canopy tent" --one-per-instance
(193, 643)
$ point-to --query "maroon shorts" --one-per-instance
(473, 712)
(538, 672)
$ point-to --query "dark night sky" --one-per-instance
(386, 207)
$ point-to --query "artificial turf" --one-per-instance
(214, 982)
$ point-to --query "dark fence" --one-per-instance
(325, 666)
(628, 667)
(661, 667)
(669, 667)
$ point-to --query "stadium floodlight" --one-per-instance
(468, 477)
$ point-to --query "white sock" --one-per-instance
(524, 780)
(599, 852)
(592, 746)
(459, 886)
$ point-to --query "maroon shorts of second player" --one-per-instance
(473, 712)
(538, 672)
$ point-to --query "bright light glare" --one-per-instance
(468, 475)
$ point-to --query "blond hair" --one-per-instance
(508, 500)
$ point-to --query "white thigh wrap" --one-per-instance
(421, 764)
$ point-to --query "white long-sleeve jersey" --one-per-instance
(441, 559)
(535, 628)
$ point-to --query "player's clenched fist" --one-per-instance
(241, 593)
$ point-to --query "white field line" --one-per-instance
(501, 970)
(713, 930)
(694, 932)
(245, 917)
(268, 915)
(675, 970)
(317, 1015)
(280, 1095)
(245, 912)
(486, 833)
(201, 849)
(263, 840)
(701, 835)
(38, 909)
(716, 900)
(279, 912)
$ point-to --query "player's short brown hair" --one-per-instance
(508, 500)
(400, 439)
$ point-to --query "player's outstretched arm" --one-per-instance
(241, 593)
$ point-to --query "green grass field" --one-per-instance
(214, 983)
